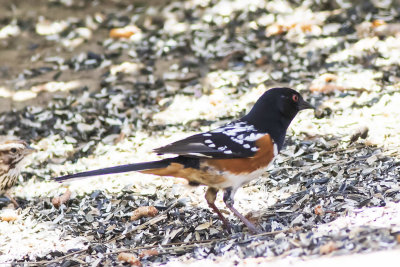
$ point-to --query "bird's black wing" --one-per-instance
(233, 140)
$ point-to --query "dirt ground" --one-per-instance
(92, 84)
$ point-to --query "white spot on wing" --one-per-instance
(253, 137)
(218, 130)
(246, 146)
(276, 149)
(207, 134)
(208, 141)
(254, 149)
(199, 155)
(237, 140)
(228, 152)
(211, 145)
(232, 129)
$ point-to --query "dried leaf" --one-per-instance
(276, 29)
(328, 248)
(58, 201)
(203, 226)
(148, 253)
(398, 238)
(318, 210)
(129, 258)
(326, 83)
(145, 211)
(124, 32)
(8, 215)
(262, 61)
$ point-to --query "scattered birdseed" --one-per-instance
(93, 85)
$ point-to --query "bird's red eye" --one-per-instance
(295, 98)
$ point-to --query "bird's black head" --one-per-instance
(274, 111)
(288, 101)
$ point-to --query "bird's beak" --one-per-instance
(29, 150)
(304, 105)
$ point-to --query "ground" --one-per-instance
(93, 84)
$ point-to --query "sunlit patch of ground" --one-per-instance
(29, 237)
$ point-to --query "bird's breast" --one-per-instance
(240, 171)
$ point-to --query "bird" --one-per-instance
(227, 157)
(12, 155)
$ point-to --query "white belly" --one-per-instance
(238, 180)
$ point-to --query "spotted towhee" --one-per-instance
(228, 157)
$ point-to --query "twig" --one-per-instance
(54, 260)
(204, 242)
(167, 246)
(164, 246)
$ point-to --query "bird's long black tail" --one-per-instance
(119, 169)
